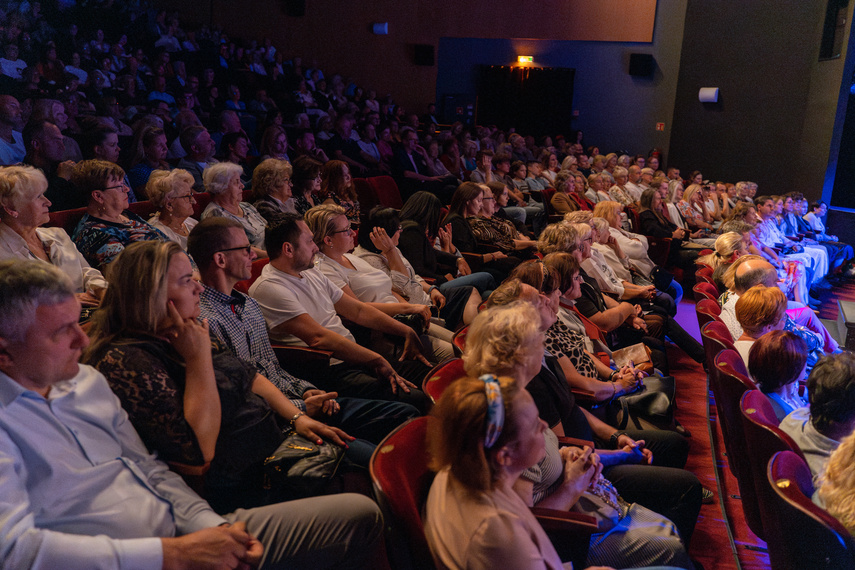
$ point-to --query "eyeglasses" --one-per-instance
(247, 248)
(120, 186)
(186, 196)
(346, 230)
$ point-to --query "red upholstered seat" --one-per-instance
(257, 266)
(387, 191)
(763, 439)
(441, 377)
(707, 311)
(800, 534)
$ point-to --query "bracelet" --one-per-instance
(614, 391)
(613, 440)
(612, 376)
(296, 417)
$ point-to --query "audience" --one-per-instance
(302, 307)
(428, 277)
(66, 515)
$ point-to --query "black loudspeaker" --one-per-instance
(641, 64)
(423, 54)
(295, 8)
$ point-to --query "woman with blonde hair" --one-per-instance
(836, 488)
(694, 210)
(23, 209)
(598, 188)
(196, 404)
(172, 193)
(332, 233)
(271, 187)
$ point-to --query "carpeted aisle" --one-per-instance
(711, 544)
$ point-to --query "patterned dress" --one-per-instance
(101, 241)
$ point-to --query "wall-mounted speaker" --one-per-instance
(423, 54)
(641, 64)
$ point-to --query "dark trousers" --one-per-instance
(357, 382)
(369, 421)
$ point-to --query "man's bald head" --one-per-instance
(754, 272)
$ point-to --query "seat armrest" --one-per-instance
(565, 441)
(565, 521)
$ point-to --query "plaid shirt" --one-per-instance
(237, 321)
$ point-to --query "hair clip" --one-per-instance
(495, 410)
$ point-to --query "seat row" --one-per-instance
(775, 484)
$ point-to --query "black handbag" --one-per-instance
(654, 404)
(299, 467)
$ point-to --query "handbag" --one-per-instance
(661, 278)
(413, 320)
(299, 467)
(654, 403)
(602, 501)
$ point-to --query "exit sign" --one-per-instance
(660, 126)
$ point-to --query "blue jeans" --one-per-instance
(369, 421)
(675, 290)
(480, 280)
(515, 213)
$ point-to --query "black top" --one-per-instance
(426, 260)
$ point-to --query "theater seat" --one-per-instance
(402, 481)
(257, 266)
(441, 377)
(800, 534)
(729, 381)
(387, 191)
(707, 311)
(66, 219)
(763, 439)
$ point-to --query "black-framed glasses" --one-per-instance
(186, 196)
(247, 248)
(122, 185)
(346, 230)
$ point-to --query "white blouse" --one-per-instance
(62, 252)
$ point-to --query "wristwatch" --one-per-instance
(613, 440)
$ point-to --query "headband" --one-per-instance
(495, 410)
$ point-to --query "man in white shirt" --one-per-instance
(633, 185)
(11, 65)
(302, 307)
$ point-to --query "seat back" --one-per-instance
(401, 481)
(704, 290)
(729, 381)
(715, 338)
(144, 209)
(762, 439)
(707, 311)
(704, 270)
(799, 533)
(459, 340)
(441, 377)
(66, 219)
(659, 250)
(202, 201)
(366, 194)
(387, 191)
(257, 266)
